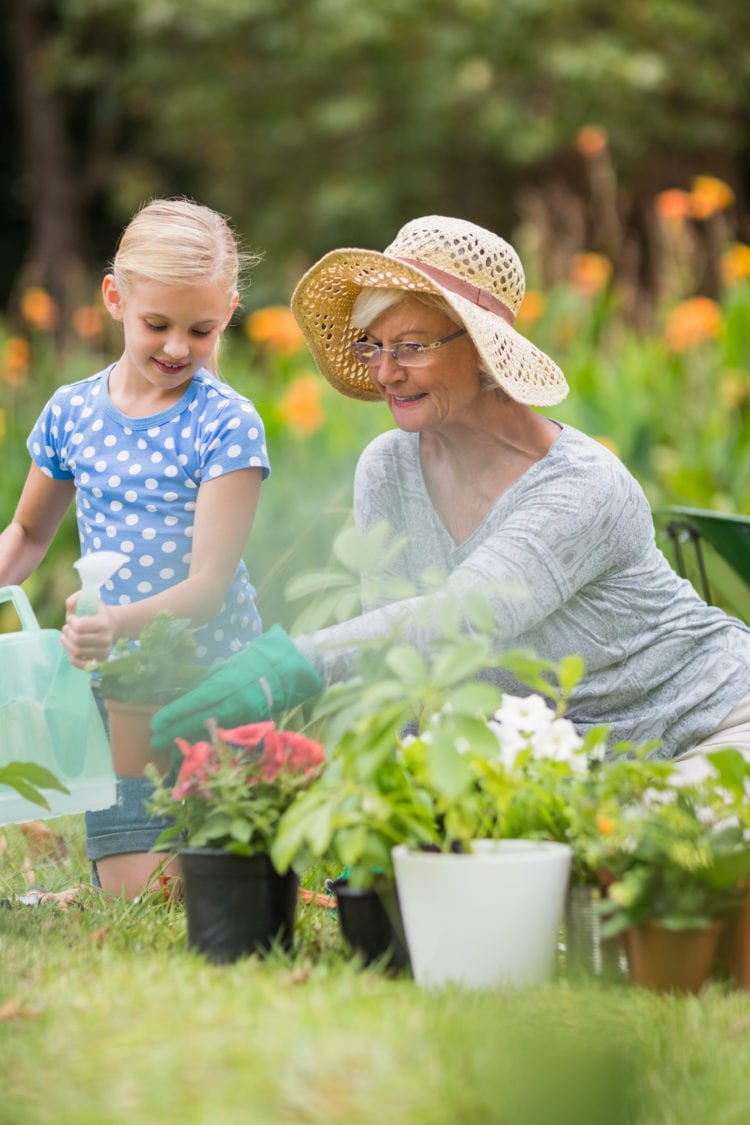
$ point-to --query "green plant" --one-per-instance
(425, 753)
(674, 852)
(365, 802)
(27, 778)
(231, 791)
(160, 667)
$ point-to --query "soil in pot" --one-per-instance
(371, 923)
(236, 905)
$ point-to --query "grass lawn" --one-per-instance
(105, 1017)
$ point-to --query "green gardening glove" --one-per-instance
(268, 676)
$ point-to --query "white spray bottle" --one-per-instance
(94, 569)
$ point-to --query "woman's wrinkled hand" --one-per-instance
(87, 640)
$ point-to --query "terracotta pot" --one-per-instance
(130, 738)
(671, 960)
(735, 943)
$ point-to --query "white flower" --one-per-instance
(559, 741)
(526, 714)
(510, 742)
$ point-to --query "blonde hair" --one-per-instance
(180, 242)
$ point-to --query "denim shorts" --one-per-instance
(124, 826)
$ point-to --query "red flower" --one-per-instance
(274, 756)
(194, 769)
(303, 755)
(249, 736)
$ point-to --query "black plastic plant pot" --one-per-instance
(236, 905)
(371, 923)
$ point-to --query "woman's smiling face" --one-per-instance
(447, 389)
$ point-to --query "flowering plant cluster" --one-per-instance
(232, 790)
(676, 850)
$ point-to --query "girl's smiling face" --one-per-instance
(170, 331)
(447, 389)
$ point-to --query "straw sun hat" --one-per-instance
(476, 272)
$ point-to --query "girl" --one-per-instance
(165, 462)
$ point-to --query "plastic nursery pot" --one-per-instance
(485, 919)
(671, 960)
(371, 922)
(236, 905)
(130, 737)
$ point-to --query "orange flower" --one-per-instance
(87, 322)
(274, 327)
(38, 308)
(735, 263)
(709, 195)
(673, 206)
(15, 361)
(691, 323)
(300, 408)
(591, 140)
(531, 307)
(605, 824)
(16, 353)
(590, 273)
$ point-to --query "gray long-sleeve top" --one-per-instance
(568, 558)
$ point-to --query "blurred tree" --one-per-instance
(331, 122)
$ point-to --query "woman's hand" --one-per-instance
(87, 640)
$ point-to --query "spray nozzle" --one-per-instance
(94, 569)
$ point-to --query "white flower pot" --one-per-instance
(487, 919)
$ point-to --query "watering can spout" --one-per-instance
(94, 569)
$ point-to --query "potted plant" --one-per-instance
(138, 679)
(417, 779)
(496, 890)
(225, 806)
(674, 857)
(364, 803)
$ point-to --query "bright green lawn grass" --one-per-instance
(107, 1019)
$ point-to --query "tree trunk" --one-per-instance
(54, 258)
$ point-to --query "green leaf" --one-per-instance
(27, 778)
(39, 776)
(448, 771)
(351, 844)
(241, 830)
(569, 672)
(460, 661)
(475, 698)
(315, 582)
(407, 663)
(731, 767)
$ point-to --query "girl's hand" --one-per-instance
(87, 640)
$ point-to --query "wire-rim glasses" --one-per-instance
(406, 353)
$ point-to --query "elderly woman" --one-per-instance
(545, 521)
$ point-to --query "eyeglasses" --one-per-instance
(406, 354)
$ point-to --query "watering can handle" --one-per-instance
(22, 606)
